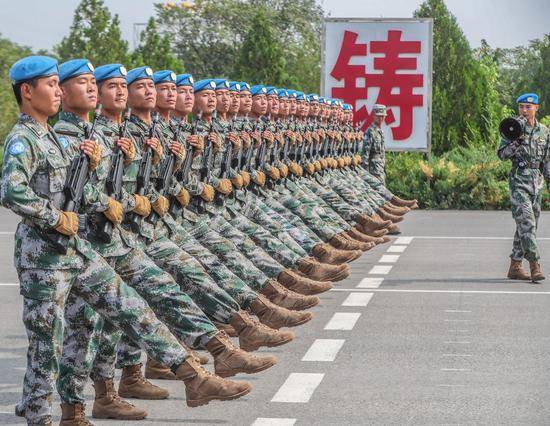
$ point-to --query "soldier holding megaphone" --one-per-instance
(525, 142)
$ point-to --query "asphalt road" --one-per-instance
(431, 333)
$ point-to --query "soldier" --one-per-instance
(530, 167)
(374, 144)
(34, 174)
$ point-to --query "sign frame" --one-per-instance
(430, 22)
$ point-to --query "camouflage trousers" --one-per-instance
(84, 328)
(227, 251)
(526, 213)
(374, 183)
(98, 285)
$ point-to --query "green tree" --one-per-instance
(155, 50)
(457, 88)
(9, 54)
(261, 57)
(94, 35)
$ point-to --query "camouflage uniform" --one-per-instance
(34, 173)
(83, 325)
(374, 152)
(530, 165)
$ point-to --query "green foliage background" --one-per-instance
(278, 42)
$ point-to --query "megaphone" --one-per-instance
(511, 128)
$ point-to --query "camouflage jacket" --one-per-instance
(530, 158)
(35, 168)
(374, 154)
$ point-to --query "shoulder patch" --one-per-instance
(16, 148)
(64, 142)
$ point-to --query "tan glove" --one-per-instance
(274, 173)
(283, 170)
(67, 224)
(357, 159)
(161, 205)
(128, 148)
(237, 181)
(294, 168)
(143, 205)
(318, 166)
(246, 177)
(114, 211)
(95, 157)
(310, 168)
(183, 197)
(158, 151)
(324, 163)
(259, 179)
(207, 193)
(224, 187)
(341, 163)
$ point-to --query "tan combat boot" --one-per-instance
(412, 204)
(73, 415)
(516, 271)
(388, 216)
(339, 241)
(536, 272)
(394, 229)
(228, 328)
(317, 271)
(109, 405)
(302, 285)
(398, 211)
(201, 386)
(275, 316)
(378, 233)
(358, 238)
(253, 334)
(328, 254)
(155, 370)
(230, 360)
(286, 298)
(358, 235)
(372, 223)
(134, 385)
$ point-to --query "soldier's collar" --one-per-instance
(139, 122)
(72, 118)
(33, 125)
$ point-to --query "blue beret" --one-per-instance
(208, 84)
(313, 97)
(164, 76)
(292, 93)
(74, 68)
(346, 107)
(270, 90)
(282, 93)
(258, 89)
(234, 86)
(221, 84)
(31, 67)
(184, 80)
(104, 72)
(321, 100)
(245, 87)
(139, 73)
(528, 98)
(300, 96)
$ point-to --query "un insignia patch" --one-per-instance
(16, 148)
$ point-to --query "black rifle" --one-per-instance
(182, 175)
(219, 198)
(74, 188)
(113, 184)
(144, 173)
(206, 167)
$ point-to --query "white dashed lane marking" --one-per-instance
(343, 321)
(403, 240)
(389, 258)
(380, 270)
(370, 282)
(266, 421)
(396, 249)
(324, 350)
(298, 388)
(357, 299)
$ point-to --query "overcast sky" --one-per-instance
(504, 23)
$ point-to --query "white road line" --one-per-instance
(342, 321)
(455, 369)
(396, 290)
(324, 350)
(456, 311)
(357, 299)
(370, 282)
(463, 355)
(451, 386)
(298, 387)
(13, 233)
(380, 269)
(457, 320)
(389, 258)
(451, 342)
(8, 284)
(266, 421)
(403, 240)
(396, 249)
(445, 237)
(459, 331)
